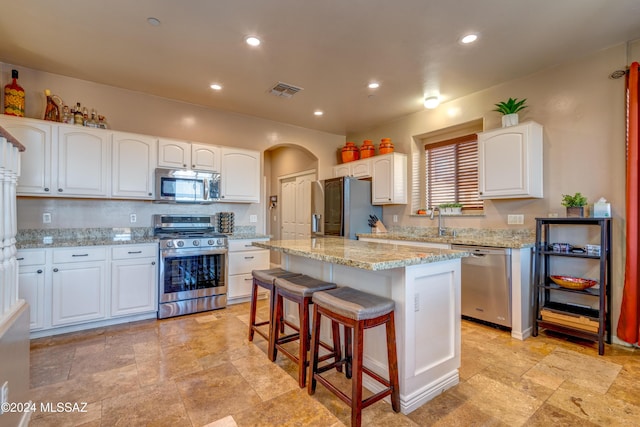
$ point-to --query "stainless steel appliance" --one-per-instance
(187, 186)
(486, 284)
(347, 206)
(193, 267)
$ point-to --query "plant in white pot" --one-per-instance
(509, 110)
(574, 204)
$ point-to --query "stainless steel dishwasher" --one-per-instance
(486, 284)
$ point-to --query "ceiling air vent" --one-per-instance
(285, 90)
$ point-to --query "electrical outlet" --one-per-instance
(133, 218)
(395, 218)
(515, 219)
(553, 215)
(253, 218)
(46, 218)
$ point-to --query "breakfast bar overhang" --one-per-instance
(425, 285)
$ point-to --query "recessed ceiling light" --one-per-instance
(252, 41)
(469, 38)
(216, 87)
(374, 85)
(153, 21)
(431, 102)
(318, 113)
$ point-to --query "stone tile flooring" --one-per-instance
(200, 370)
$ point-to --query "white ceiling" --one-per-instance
(331, 48)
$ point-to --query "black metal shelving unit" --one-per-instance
(545, 289)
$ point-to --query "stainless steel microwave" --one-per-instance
(187, 186)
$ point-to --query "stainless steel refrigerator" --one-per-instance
(347, 206)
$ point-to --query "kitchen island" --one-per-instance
(425, 285)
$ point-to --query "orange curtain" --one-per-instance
(629, 322)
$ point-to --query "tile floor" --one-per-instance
(200, 370)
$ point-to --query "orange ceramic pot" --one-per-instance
(367, 149)
(385, 146)
(350, 152)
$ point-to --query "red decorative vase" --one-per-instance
(367, 149)
(350, 152)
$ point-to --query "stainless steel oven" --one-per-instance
(193, 267)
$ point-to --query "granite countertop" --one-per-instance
(496, 240)
(71, 237)
(249, 235)
(364, 255)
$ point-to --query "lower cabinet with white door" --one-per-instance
(243, 258)
(134, 284)
(70, 289)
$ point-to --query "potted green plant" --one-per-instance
(509, 110)
(450, 208)
(574, 204)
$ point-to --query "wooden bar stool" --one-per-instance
(298, 289)
(264, 279)
(357, 311)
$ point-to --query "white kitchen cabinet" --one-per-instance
(134, 285)
(186, 155)
(240, 175)
(133, 163)
(243, 258)
(510, 162)
(358, 169)
(32, 277)
(389, 179)
(78, 285)
(35, 167)
(83, 162)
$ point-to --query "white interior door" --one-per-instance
(288, 209)
(303, 206)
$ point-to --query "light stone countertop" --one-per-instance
(479, 238)
(364, 255)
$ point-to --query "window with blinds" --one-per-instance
(452, 172)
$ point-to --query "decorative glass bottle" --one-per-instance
(78, 119)
(14, 97)
(52, 111)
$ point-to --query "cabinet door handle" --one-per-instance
(248, 280)
(20, 259)
(184, 166)
(193, 166)
(46, 188)
(150, 194)
(39, 271)
(134, 252)
(59, 190)
(153, 263)
(55, 270)
(77, 255)
(249, 257)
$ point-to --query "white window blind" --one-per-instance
(452, 172)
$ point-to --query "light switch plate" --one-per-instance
(133, 218)
(253, 218)
(515, 219)
(46, 218)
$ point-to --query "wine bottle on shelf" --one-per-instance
(52, 111)
(14, 97)
(78, 119)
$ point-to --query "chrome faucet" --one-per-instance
(442, 231)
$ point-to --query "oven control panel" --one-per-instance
(192, 243)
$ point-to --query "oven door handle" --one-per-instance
(177, 253)
(205, 183)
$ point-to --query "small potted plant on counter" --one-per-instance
(509, 110)
(450, 208)
(574, 204)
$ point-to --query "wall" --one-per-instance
(146, 114)
(583, 114)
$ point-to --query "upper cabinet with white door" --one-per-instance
(38, 138)
(389, 179)
(510, 162)
(83, 161)
(240, 175)
(133, 162)
(186, 155)
(357, 169)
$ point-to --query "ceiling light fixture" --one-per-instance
(469, 38)
(252, 41)
(318, 113)
(374, 85)
(216, 86)
(431, 102)
(153, 21)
